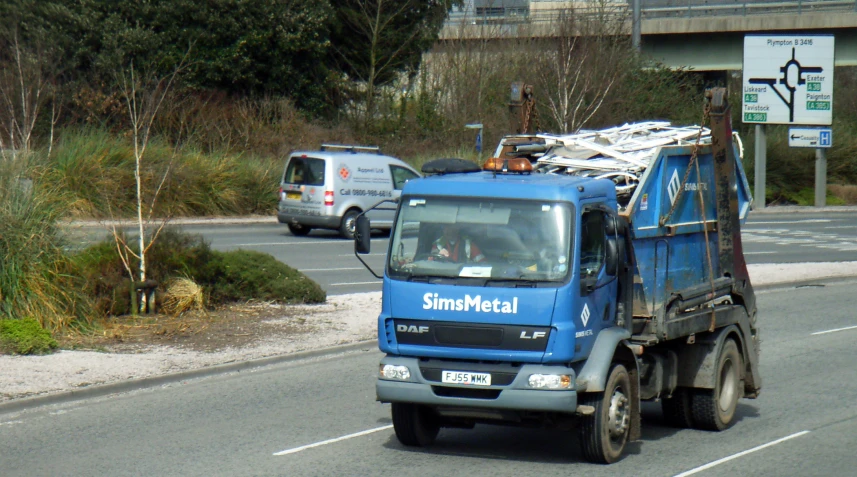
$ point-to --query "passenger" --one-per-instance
(454, 247)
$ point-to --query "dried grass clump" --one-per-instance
(182, 295)
(848, 193)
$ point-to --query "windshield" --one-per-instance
(481, 241)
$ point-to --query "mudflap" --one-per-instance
(635, 432)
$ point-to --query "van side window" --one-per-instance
(592, 243)
(305, 171)
(400, 176)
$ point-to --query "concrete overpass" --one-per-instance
(705, 35)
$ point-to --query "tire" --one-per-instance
(604, 433)
(415, 425)
(714, 409)
(346, 227)
(677, 412)
(299, 230)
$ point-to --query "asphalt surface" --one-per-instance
(321, 412)
(329, 259)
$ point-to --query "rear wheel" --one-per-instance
(347, 226)
(714, 409)
(299, 230)
(415, 425)
(604, 433)
(676, 409)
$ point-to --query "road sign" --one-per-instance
(810, 137)
(788, 79)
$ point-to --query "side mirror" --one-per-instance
(612, 259)
(362, 235)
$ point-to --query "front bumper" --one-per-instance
(517, 395)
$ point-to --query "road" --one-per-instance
(328, 259)
(806, 419)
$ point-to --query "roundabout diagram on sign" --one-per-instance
(792, 77)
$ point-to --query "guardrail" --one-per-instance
(672, 9)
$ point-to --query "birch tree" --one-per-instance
(579, 68)
(143, 95)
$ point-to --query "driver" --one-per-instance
(454, 247)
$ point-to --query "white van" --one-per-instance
(327, 189)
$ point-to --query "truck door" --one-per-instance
(597, 288)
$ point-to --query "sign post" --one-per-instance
(788, 79)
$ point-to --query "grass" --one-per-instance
(96, 171)
(36, 277)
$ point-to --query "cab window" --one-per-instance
(305, 171)
(401, 175)
(592, 243)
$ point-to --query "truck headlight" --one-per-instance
(393, 371)
(549, 381)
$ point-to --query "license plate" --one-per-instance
(463, 377)
(293, 195)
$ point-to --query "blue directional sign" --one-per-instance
(810, 137)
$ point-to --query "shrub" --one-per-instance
(25, 336)
(174, 254)
(225, 276)
(243, 275)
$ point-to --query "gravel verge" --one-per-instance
(342, 319)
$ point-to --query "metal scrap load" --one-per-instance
(620, 153)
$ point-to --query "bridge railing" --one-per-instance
(651, 9)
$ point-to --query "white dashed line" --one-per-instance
(740, 454)
(331, 441)
(834, 331)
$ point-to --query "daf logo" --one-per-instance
(536, 335)
(412, 329)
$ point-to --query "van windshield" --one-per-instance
(497, 240)
(305, 171)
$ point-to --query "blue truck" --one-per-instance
(535, 299)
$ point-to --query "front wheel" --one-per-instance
(604, 433)
(415, 425)
(714, 409)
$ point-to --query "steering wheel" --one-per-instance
(440, 258)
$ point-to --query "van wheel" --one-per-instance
(349, 220)
(299, 230)
(714, 409)
(604, 433)
(415, 425)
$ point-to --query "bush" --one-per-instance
(174, 254)
(25, 336)
(225, 276)
(243, 275)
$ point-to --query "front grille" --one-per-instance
(471, 335)
(468, 336)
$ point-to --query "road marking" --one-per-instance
(364, 254)
(840, 226)
(351, 283)
(328, 269)
(331, 441)
(740, 454)
(264, 244)
(807, 221)
(834, 331)
(757, 253)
